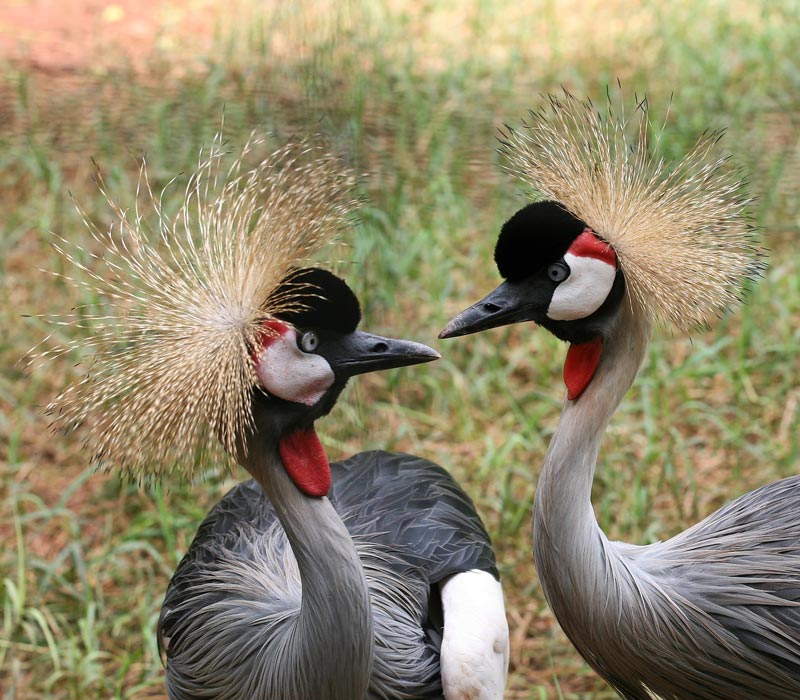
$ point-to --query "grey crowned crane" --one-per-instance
(369, 578)
(620, 240)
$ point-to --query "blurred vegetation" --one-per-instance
(412, 94)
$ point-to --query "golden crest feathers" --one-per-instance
(182, 300)
(680, 230)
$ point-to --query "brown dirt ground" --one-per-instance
(73, 36)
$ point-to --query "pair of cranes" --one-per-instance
(374, 577)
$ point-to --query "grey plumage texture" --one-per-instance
(235, 596)
(710, 614)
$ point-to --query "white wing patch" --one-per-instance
(291, 374)
(474, 656)
(584, 291)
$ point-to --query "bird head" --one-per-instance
(558, 273)
(306, 354)
(302, 359)
(210, 327)
(616, 224)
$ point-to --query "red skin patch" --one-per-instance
(306, 463)
(582, 360)
(271, 329)
(301, 452)
(580, 365)
(588, 245)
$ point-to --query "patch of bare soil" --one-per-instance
(58, 37)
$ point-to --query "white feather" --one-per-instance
(474, 655)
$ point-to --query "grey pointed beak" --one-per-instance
(360, 352)
(510, 303)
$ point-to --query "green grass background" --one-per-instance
(412, 94)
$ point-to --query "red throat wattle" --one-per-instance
(306, 462)
(580, 365)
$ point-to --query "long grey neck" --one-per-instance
(570, 549)
(328, 651)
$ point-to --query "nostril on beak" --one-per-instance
(380, 347)
(491, 308)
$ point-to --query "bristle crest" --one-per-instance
(680, 230)
(181, 302)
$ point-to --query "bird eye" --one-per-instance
(308, 341)
(558, 272)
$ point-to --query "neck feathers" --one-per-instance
(328, 644)
(571, 552)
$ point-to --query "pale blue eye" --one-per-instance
(558, 272)
(308, 342)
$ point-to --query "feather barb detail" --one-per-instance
(680, 230)
(180, 302)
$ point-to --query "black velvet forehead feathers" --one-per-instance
(326, 303)
(537, 235)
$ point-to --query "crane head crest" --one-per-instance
(679, 231)
(184, 298)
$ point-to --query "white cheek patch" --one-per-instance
(287, 372)
(584, 291)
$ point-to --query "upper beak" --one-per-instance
(509, 303)
(360, 352)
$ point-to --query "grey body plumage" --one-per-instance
(710, 614)
(237, 589)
